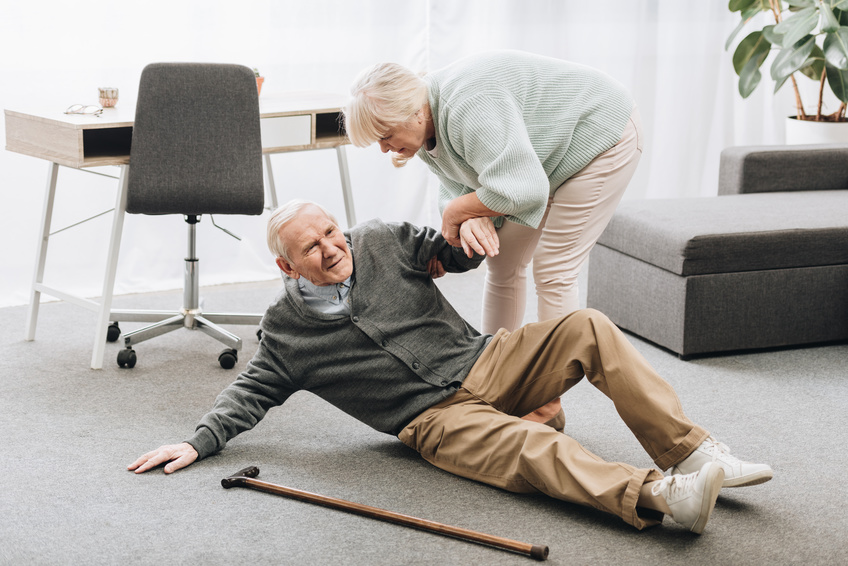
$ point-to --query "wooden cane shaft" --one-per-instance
(534, 551)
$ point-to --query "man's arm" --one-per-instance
(477, 236)
(238, 408)
(423, 244)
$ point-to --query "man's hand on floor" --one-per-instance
(179, 456)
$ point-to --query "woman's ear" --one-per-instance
(287, 268)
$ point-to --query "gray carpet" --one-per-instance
(69, 432)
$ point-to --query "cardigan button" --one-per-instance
(356, 319)
(415, 365)
(384, 343)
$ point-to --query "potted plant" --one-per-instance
(807, 36)
(259, 80)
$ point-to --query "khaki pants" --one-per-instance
(477, 432)
(576, 216)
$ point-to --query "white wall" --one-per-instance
(669, 53)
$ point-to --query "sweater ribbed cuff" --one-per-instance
(204, 442)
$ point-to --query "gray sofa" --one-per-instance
(762, 265)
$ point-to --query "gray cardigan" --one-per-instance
(402, 349)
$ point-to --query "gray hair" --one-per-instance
(383, 97)
(282, 216)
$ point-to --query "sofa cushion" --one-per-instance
(780, 168)
(731, 233)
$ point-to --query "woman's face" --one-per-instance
(406, 139)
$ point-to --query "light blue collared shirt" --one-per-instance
(327, 299)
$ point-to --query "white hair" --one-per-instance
(282, 216)
(383, 97)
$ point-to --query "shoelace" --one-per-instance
(674, 486)
(720, 449)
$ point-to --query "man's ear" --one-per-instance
(287, 268)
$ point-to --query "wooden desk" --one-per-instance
(296, 121)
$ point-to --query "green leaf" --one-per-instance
(779, 83)
(746, 17)
(771, 37)
(797, 26)
(790, 60)
(814, 66)
(842, 16)
(801, 3)
(838, 82)
(750, 75)
(836, 49)
(740, 5)
(829, 23)
(752, 46)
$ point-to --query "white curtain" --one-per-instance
(670, 54)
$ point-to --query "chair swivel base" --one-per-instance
(190, 319)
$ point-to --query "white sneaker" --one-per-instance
(736, 472)
(691, 497)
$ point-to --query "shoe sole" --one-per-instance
(751, 479)
(712, 486)
(741, 481)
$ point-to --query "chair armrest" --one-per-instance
(762, 169)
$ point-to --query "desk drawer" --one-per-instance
(285, 131)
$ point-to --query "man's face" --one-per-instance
(317, 249)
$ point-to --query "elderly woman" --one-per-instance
(536, 152)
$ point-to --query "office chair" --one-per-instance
(196, 150)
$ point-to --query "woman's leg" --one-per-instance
(581, 209)
(505, 290)
(505, 293)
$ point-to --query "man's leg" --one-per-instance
(468, 437)
(647, 403)
(476, 434)
(520, 370)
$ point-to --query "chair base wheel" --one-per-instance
(113, 332)
(228, 358)
(127, 358)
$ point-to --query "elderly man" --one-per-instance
(362, 325)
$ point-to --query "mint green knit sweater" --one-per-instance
(514, 126)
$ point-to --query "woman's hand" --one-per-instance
(458, 211)
(452, 219)
(479, 235)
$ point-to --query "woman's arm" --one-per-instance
(458, 211)
(487, 134)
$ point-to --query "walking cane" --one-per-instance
(245, 478)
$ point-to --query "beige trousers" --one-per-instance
(576, 216)
(477, 432)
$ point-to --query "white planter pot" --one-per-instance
(807, 131)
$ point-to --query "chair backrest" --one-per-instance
(196, 145)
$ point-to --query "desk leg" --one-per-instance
(38, 276)
(105, 310)
(345, 177)
(270, 188)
